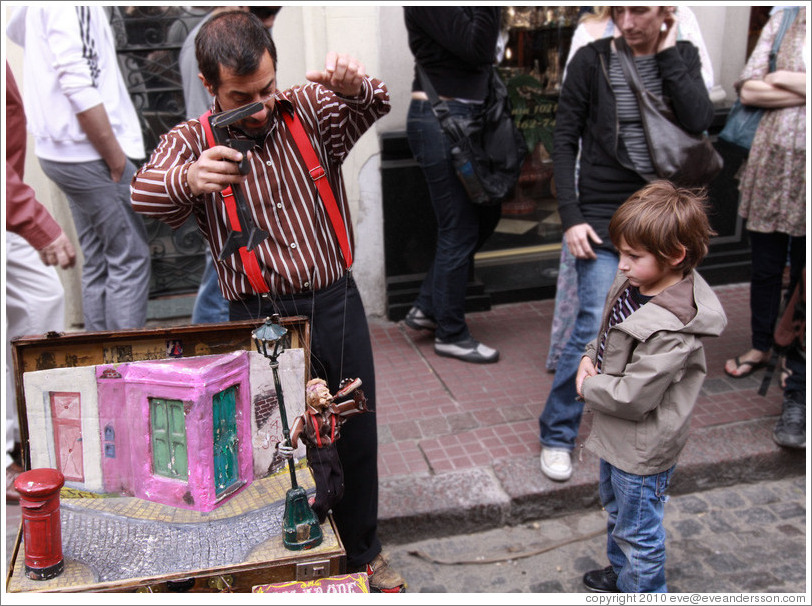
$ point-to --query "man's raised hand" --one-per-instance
(343, 74)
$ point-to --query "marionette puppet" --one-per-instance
(319, 428)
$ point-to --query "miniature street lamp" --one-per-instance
(301, 526)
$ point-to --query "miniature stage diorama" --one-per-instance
(182, 431)
(319, 428)
(171, 465)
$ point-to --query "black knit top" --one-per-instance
(455, 45)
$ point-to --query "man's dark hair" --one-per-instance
(234, 39)
(263, 12)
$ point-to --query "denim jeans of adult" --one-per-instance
(559, 422)
(462, 226)
(769, 258)
(635, 541)
(211, 306)
(116, 259)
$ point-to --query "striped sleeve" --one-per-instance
(160, 189)
(342, 120)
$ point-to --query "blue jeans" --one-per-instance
(210, 305)
(462, 226)
(561, 417)
(635, 542)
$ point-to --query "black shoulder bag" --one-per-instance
(487, 149)
(681, 157)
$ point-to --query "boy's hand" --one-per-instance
(585, 369)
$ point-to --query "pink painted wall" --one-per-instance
(116, 470)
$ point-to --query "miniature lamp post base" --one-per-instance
(301, 526)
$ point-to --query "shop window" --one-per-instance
(536, 44)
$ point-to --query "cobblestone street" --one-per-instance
(743, 538)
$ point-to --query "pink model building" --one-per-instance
(177, 431)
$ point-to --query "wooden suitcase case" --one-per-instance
(122, 543)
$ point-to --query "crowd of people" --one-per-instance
(631, 350)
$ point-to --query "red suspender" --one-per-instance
(319, 177)
(316, 428)
(248, 257)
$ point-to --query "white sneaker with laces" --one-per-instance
(556, 463)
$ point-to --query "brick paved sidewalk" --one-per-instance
(459, 442)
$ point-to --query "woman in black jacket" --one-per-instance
(456, 47)
(598, 109)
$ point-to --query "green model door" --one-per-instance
(168, 425)
(224, 412)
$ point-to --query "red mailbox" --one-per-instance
(42, 529)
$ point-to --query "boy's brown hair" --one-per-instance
(662, 218)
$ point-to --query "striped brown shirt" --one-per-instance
(302, 252)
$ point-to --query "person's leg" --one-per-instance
(769, 258)
(343, 342)
(605, 579)
(561, 417)
(340, 348)
(94, 265)
(458, 224)
(610, 505)
(797, 260)
(422, 135)
(210, 305)
(113, 240)
(35, 305)
(639, 531)
(790, 429)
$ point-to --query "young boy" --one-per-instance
(641, 376)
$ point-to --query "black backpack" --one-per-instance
(487, 150)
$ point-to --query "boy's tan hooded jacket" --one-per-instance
(652, 371)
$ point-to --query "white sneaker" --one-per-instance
(469, 350)
(556, 463)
